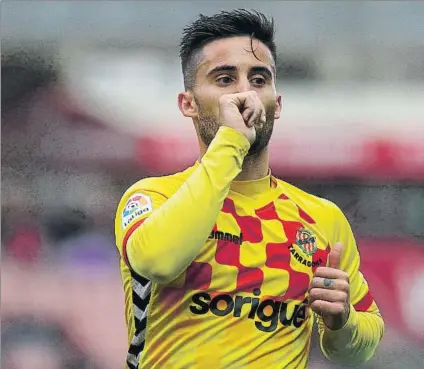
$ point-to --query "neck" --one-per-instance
(254, 166)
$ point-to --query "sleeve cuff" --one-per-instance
(237, 139)
(346, 332)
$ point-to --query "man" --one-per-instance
(223, 264)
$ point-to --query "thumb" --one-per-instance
(335, 256)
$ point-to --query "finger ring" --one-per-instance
(328, 282)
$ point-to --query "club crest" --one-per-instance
(306, 240)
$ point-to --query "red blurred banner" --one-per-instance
(395, 272)
(378, 158)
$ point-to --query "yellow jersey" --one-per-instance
(216, 272)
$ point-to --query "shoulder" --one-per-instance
(309, 202)
(140, 199)
(313, 209)
(164, 186)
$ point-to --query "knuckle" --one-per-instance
(344, 285)
(341, 296)
(344, 275)
(315, 305)
(339, 308)
(314, 293)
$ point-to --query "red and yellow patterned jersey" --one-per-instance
(216, 272)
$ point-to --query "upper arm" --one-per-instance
(133, 209)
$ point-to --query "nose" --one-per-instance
(244, 85)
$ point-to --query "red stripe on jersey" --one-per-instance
(250, 226)
(198, 276)
(127, 237)
(305, 216)
(364, 303)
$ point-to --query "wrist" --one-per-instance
(349, 324)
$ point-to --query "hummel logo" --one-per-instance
(218, 235)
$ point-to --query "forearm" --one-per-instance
(356, 342)
(170, 239)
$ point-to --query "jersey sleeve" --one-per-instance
(164, 235)
(134, 208)
(357, 340)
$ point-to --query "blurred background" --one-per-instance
(89, 106)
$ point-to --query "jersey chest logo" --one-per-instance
(306, 240)
(225, 236)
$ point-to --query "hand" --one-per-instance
(329, 292)
(243, 112)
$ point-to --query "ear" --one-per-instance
(187, 104)
(278, 107)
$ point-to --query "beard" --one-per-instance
(208, 127)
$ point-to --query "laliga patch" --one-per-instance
(136, 206)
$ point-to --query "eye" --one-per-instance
(258, 81)
(224, 80)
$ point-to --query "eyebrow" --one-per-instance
(232, 68)
(261, 70)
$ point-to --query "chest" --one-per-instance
(271, 251)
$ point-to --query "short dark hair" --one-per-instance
(205, 29)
